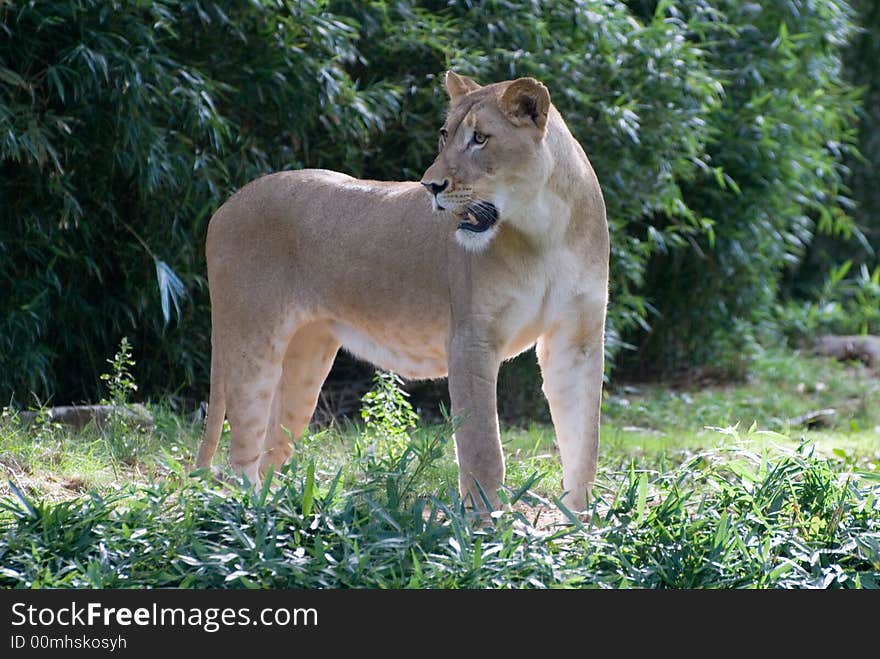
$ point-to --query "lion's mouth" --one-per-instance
(477, 217)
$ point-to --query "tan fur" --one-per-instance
(303, 262)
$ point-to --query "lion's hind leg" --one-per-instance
(216, 409)
(251, 382)
(307, 361)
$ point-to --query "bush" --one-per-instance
(124, 125)
(843, 305)
(860, 68)
(859, 246)
(779, 137)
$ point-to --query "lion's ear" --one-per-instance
(457, 85)
(526, 101)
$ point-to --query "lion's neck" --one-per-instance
(544, 219)
(571, 171)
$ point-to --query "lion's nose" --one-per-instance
(436, 188)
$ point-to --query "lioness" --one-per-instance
(508, 249)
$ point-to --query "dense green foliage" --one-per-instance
(717, 131)
(836, 288)
(848, 302)
(777, 143)
(861, 68)
(123, 126)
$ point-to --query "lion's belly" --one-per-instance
(410, 353)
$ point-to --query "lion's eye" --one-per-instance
(443, 136)
(480, 138)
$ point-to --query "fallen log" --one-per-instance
(78, 416)
(864, 348)
(816, 418)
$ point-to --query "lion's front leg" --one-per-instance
(473, 373)
(572, 361)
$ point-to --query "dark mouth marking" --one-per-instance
(479, 217)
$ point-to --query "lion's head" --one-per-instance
(490, 159)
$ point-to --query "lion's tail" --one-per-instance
(216, 412)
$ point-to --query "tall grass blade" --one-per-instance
(642, 498)
(308, 496)
(22, 499)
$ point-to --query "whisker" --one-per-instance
(484, 210)
(476, 212)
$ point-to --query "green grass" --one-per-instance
(698, 487)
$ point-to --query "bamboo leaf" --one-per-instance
(171, 289)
